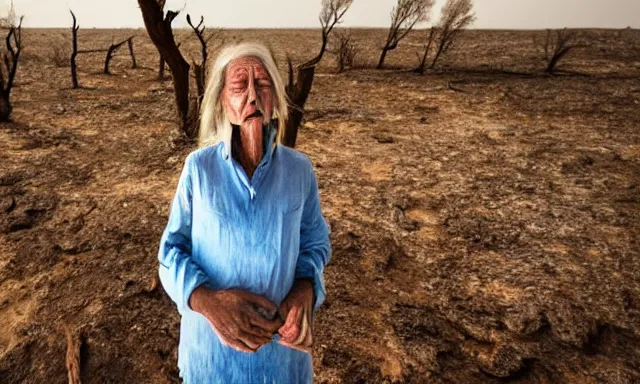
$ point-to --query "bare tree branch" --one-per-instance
(112, 50)
(331, 15)
(74, 53)
(298, 88)
(199, 31)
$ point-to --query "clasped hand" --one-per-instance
(245, 321)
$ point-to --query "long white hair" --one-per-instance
(215, 126)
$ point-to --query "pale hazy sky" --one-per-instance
(499, 14)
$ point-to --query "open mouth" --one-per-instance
(255, 114)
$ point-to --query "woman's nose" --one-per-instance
(252, 93)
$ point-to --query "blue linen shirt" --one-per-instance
(258, 235)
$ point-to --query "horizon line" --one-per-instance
(353, 27)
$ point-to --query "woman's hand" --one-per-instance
(297, 309)
(240, 319)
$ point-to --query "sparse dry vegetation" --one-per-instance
(59, 55)
(484, 219)
(557, 44)
(345, 50)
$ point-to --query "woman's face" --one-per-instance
(248, 93)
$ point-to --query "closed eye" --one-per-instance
(264, 82)
(238, 86)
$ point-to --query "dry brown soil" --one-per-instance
(485, 217)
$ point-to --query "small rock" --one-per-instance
(383, 138)
(494, 136)
(503, 362)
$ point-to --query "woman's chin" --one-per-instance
(253, 124)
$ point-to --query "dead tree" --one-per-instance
(163, 67)
(404, 16)
(345, 51)
(8, 68)
(112, 50)
(557, 45)
(158, 27)
(134, 65)
(456, 16)
(11, 15)
(199, 69)
(298, 87)
(74, 52)
(10, 20)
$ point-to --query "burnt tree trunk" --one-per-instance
(110, 52)
(298, 92)
(387, 47)
(74, 53)
(423, 62)
(551, 67)
(557, 45)
(383, 55)
(298, 89)
(161, 69)
(5, 108)
(161, 34)
(134, 65)
(444, 38)
(390, 44)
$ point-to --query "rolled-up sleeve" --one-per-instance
(179, 274)
(315, 246)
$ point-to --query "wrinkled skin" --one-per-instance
(297, 309)
(248, 98)
(234, 317)
(240, 319)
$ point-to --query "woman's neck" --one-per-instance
(246, 144)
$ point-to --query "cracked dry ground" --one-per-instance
(480, 236)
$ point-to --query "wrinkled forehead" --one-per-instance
(245, 65)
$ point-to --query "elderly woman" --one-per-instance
(243, 253)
